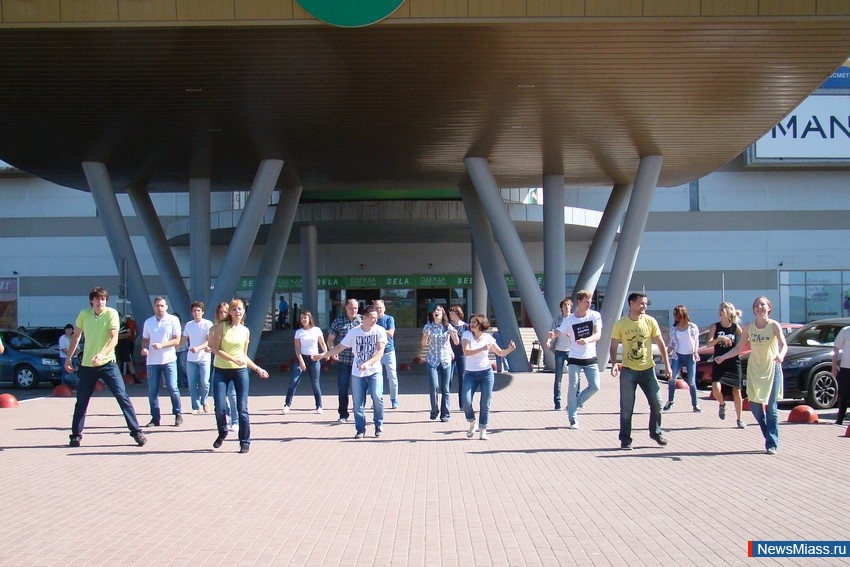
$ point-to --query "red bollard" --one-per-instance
(417, 360)
(847, 433)
(803, 414)
(682, 385)
(745, 406)
(128, 379)
(404, 367)
(99, 386)
(8, 401)
(142, 374)
(62, 391)
(285, 368)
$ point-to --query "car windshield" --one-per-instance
(20, 341)
(815, 335)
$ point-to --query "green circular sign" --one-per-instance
(348, 14)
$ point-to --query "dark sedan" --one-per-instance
(27, 362)
(806, 368)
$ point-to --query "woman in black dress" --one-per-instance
(723, 336)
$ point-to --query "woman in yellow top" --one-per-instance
(764, 369)
(229, 343)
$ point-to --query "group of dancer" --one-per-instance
(227, 340)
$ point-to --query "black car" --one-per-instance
(807, 365)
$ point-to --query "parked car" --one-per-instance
(27, 362)
(48, 336)
(706, 355)
(807, 365)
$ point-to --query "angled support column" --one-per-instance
(270, 263)
(163, 257)
(118, 237)
(479, 286)
(200, 242)
(491, 268)
(627, 250)
(600, 247)
(511, 245)
(309, 268)
(554, 242)
(246, 230)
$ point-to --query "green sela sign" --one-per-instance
(350, 13)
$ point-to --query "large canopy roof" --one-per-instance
(398, 105)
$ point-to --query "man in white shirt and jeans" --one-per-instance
(160, 336)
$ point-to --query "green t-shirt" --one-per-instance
(637, 337)
(96, 329)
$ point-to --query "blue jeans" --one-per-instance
(767, 415)
(574, 399)
(69, 378)
(199, 382)
(388, 363)
(472, 380)
(182, 371)
(230, 407)
(560, 359)
(629, 381)
(687, 361)
(438, 377)
(169, 372)
(458, 364)
(343, 381)
(223, 379)
(375, 386)
(111, 376)
(314, 367)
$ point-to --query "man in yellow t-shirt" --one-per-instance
(637, 331)
(100, 325)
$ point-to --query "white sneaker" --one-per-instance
(235, 428)
(319, 410)
(473, 427)
(483, 435)
(574, 426)
(285, 410)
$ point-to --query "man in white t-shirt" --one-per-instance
(195, 334)
(841, 371)
(367, 341)
(160, 337)
(68, 378)
(584, 328)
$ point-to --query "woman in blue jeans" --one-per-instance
(308, 341)
(477, 345)
(683, 350)
(764, 369)
(229, 343)
(436, 336)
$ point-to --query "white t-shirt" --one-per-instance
(64, 342)
(480, 361)
(842, 341)
(198, 334)
(364, 344)
(309, 340)
(160, 331)
(577, 328)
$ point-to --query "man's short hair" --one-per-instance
(565, 301)
(98, 292)
(584, 294)
(636, 296)
(69, 326)
(456, 310)
(197, 304)
(370, 309)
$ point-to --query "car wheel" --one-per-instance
(823, 390)
(26, 378)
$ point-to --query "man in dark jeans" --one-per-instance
(338, 329)
(100, 325)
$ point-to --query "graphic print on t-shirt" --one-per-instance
(582, 330)
(364, 348)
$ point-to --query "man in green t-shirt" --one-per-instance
(100, 325)
(637, 331)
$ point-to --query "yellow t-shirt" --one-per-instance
(761, 364)
(97, 330)
(233, 341)
(636, 337)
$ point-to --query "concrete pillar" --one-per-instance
(200, 244)
(511, 245)
(309, 268)
(634, 224)
(118, 238)
(554, 242)
(479, 286)
(270, 263)
(246, 230)
(163, 257)
(491, 267)
(600, 247)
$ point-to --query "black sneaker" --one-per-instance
(661, 440)
(378, 432)
(74, 442)
(434, 415)
(244, 447)
(178, 420)
(667, 406)
(721, 411)
(626, 445)
(219, 440)
(152, 423)
(139, 438)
